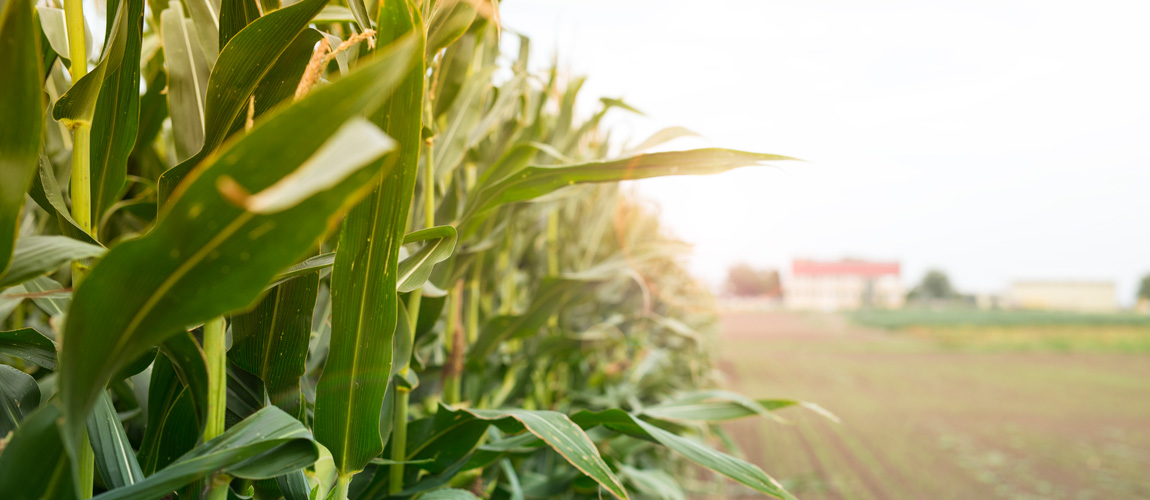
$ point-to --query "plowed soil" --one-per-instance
(920, 421)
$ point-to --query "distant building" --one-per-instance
(844, 285)
(1082, 296)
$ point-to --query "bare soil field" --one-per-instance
(920, 421)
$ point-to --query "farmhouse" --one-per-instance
(844, 285)
(1082, 296)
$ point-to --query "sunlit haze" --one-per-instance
(995, 140)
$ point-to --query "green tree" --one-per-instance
(1144, 288)
(934, 286)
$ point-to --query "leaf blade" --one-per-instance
(38, 255)
(20, 107)
(351, 389)
(263, 446)
(197, 275)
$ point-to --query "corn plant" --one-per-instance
(319, 250)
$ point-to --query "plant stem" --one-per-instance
(342, 484)
(219, 489)
(454, 341)
(81, 195)
(399, 440)
(553, 255)
(87, 459)
(81, 191)
(402, 395)
(74, 23)
(473, 302)
(216, 357)
(429, 187)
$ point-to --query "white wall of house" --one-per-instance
(844, 292)
(1083, 296)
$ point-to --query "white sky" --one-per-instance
(994, 139)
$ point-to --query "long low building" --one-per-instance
(1081, 296)
(844, 285)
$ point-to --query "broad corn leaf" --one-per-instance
(271, 340)
(34, 462)
(37, 255)
(363, 283)
(732, 467)
(242, 63)
(20, 107)
(117, 115)
(115, 459)
(265, 445)
(206, 256)
(566, 438)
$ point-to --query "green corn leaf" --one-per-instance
(245, 394)
(442, 244)
(652, 483)
(78, 104)
(188, 73)
(51, 297)
(19, 396)
(334, 14)
(509, 97)
(454, 71)
(153, 105)
(115, 459)
(515, 159)
(563, 436)
(46, 192)
(708, 406)
(729, 466)
(307, 266)
(280, 82)
(449, 22)
(293, 485)
(206, 16)
(661, 137)
(37, 255)
(246, 59)
(34, 463)
(136, 366)
(512, 479)
(362, 18)
(535, 181)
(452, 143)
(552, 294)
(265, 445)
(271, 340)
(364, 278)
(29, 345)
(53, 22)
(234, 16)
(173, 424)
(187, 357)
(717, 406)
(448, 494)
(23, 117)
(416, 268)
(117, 114)
(206, 257)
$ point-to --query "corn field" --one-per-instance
(348, 251)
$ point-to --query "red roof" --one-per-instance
(844, 268)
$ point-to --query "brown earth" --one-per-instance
(920, 421)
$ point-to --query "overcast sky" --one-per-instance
(996, 140)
